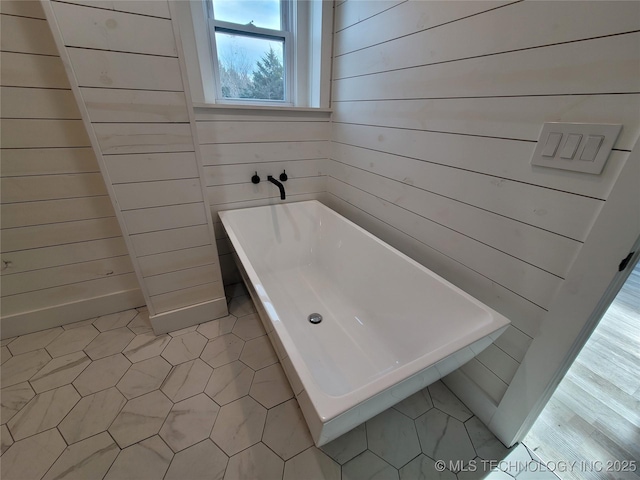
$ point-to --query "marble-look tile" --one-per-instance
(270, 386)
(114, 320)
(83, 323)
(393, 437)
(423, 468)
(257, 462)
(539, 473)
(90, 458)
(203, 461)
(229, 382)
(248, 327)
(184, 348)
(415, 405)
(148, 459)
(43, 412)
(222, 350)
(186, 380)
(91, 415)
(367, 465)
(285, 431)
(487, 446)
(5, 439)
(31, 457)
(101, 374)
(144, 377)
(312, 464)
(239, 425)
(241, 305)
(480, 470)
(60, 371)
(21, 368)
(34, 341)
(141, 323)
(13, 398)
(71, 341)
(218, 327)
(235, 290)
(109, 343)
(347, 446)
(140, 418)
(145, 346)
(189, 422)
(5, 354)
(443, 437)
(258, 353)
(182, 331)
(446, 401)
(517, 457)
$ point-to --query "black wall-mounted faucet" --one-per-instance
(279, 185)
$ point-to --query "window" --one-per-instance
(257, 52)
(252, 49)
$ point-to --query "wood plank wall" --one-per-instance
(126, 66)
(63, 255)
(235, 143)
(437, 109)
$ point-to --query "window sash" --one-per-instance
(256, 32)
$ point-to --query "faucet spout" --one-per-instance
(279, 185)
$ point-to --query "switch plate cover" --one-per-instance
(569, 131)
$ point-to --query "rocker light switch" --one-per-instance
(591, 148)
(553, 140)
(570, 146)
(580, 147)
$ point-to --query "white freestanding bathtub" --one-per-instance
(389, 326)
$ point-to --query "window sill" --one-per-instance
(229, 106)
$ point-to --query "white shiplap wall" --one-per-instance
(235, 143)
(63, 255)
(126, 69)
(437, 108)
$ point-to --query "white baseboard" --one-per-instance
(188, 316)
(57, 315)
(471, 395)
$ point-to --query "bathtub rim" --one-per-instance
(333, 406)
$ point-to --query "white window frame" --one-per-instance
(310, 81)
(287, 14)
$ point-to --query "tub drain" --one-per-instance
(315, 318)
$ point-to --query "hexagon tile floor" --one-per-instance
(106, 398)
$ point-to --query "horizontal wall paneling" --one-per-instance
(32, 103)
(19, 283)
(165, 218)
(506, 35)
(24, 70)
(26, 35)
(234, 132)
(113, 105)
(491, 156)
(117, 138)
(47, 161)
(99, 29)
(55, 211)
(253, 153)
(51, 187)
(105, 69)
(59, 255)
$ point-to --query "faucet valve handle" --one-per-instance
(283, 176)
(255, 179)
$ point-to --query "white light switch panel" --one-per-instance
(581, 147)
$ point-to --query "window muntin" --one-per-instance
(252, 64)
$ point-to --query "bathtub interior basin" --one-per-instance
(389, 325)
